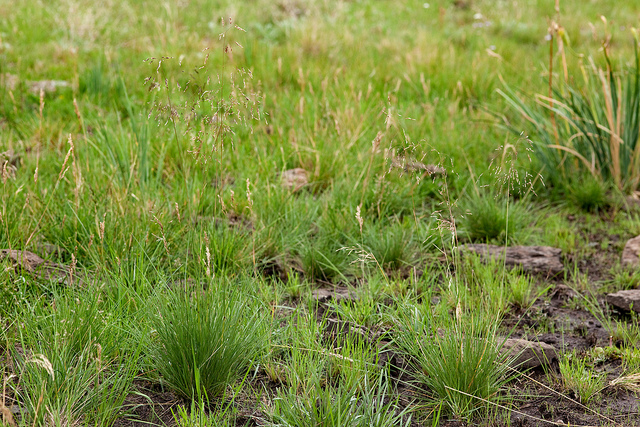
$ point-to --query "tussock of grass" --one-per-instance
(203, 341)
(335, 406)
(454, 355)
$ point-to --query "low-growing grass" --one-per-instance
(337, 406)
(74, 363)
(580, 378)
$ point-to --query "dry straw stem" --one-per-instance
(611, 87)
(629, 382)
(323, 352)
(7, 415)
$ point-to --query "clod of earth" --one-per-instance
(338, 328)
(563, 293)
(336, 295)
(626, 300)
(33, 264)
(529, 354)
(12, 158)
(10, 81)
(633, 201)
(631, 253)
(533, 259)
(294, 179)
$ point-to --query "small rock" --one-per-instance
(9, 81)
(338, 328)
(294, 179)
(46, 86)
(632, 202)
(33, 264)
(534, 259)
(26, 260)
(49, 249)
(461, 4)
(631, 253)
(529, 354)
(626, 300)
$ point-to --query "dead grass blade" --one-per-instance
(629, 382)
(7, 416)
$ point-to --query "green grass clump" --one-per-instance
(593, 126)
(205, 340)
(322, 260)
(389, 246)
(458, 365)
(75, 365)
(485, 218)
(580, 378)
(338, 406)
(489, 217)
(589, 194)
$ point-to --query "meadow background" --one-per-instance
(146, 151)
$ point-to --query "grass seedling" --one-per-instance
(580, 378)
(521, 288)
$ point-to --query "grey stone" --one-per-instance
(533, 259)
(33, 264)
(11, 82)
(631, 253)
(529, 354)
(626, 300)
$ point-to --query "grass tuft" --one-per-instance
(455, 355)
(206, 340)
